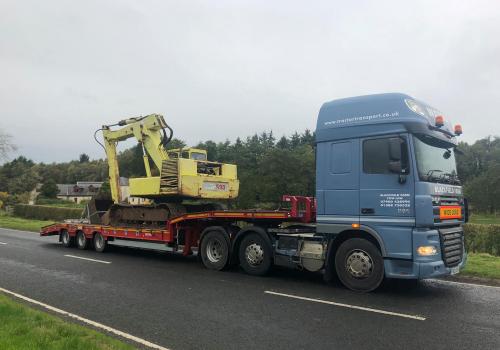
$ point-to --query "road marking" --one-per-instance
(2, 243)
(462, 283)
(87, 321)
(89, 259)
(378, 311)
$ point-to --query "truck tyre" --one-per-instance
(81, 241)
(359, 265)
(214, 250)
(100, 243)
(255, 255)
(66, 239)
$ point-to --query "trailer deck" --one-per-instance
(185, 231)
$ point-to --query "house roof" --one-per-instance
(80, 189)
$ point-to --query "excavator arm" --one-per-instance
(148, 132)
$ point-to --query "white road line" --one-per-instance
(462, 283)
(87, 321)
(2, 243)
(89, 259)
(390, 313)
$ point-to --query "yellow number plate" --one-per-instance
(450, 212)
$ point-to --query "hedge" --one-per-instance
(45, 212)
(482, 238)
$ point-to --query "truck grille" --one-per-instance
(452, 245)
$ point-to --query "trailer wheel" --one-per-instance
(359, 265)
(100, 243)
(255, 255)
(66, 239)
(214, 251)
(81, 241)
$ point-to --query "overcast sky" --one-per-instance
(222, 69)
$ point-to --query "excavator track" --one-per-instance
(143, 216)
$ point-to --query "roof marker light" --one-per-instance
(458, 129)
(439, 120)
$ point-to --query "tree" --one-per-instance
(6, 145)
(19, 176)
(49, 189)
(104, 191)
(84, 158)
(176, 143)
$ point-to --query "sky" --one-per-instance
(221, 69)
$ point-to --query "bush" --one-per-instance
(43, 212)
(61, 203)
(480, 238)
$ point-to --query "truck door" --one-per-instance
(386, 196)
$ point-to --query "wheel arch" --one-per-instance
(364, 232)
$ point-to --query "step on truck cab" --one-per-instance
(388, 204)
(387, 190)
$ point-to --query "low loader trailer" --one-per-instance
(220, 238)
(388, 202)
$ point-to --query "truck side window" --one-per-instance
(378, 156)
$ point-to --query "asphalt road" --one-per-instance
(175, 302)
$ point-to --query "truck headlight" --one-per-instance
(426, 250)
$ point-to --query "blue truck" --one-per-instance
(386, 167)
(388, 204)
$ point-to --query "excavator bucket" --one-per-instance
(95, 210)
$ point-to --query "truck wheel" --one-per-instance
(66, 239)
(214, 251)
(100, 243)
(255, 255)
(81, 241)
(359, 265)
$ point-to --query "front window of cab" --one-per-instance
(435, 160)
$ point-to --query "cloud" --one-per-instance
(218, 70)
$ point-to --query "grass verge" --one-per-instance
(25, 328)
(7, 221)
(482, 265)
(484, 219)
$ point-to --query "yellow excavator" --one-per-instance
(172, 176)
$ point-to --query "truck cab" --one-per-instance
(386, 173)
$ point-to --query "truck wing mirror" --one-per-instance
(395, 144)
(397, 168)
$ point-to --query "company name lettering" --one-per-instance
(348, 120)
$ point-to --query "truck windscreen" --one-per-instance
(435, 161)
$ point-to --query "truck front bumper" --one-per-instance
(408, 269)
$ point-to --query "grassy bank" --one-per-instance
(7, 221)
(484, 219)
(482, 265)
(25, 328)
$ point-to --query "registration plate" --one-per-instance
(216, 186)
(454, 270)
(450, 212)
